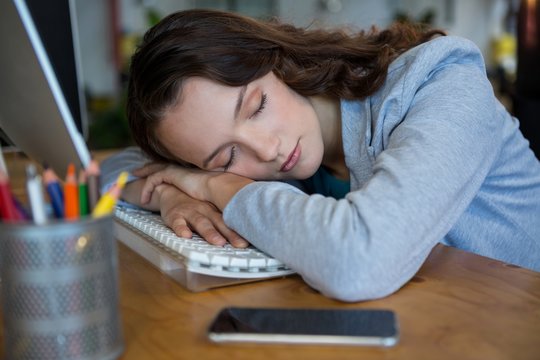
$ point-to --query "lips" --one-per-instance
(292, 160)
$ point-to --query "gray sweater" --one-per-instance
(433, 157)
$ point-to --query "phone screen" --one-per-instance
(330, 326)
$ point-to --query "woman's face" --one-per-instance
(264, 131)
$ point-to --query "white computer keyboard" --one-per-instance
(201, 257)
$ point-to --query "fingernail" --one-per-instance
(186, 234)
(219, 241)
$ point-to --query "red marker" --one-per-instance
(8, 211)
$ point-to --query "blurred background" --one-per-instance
(505, 30)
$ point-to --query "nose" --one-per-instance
(265, 146)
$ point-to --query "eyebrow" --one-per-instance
(240, 100)
(237, 108)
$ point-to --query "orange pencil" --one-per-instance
(71, 194)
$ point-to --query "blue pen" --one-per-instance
(56, 195)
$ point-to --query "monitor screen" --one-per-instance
(42, 109)
(55, 22)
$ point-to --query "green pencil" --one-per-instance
(84, 208)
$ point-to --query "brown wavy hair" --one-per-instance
(234, 50)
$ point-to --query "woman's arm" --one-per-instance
(215, 187)
(182, 213)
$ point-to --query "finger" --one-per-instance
(181, 228)
(232, 236)
(237, 241)
(206, 229)
(149, 185)
(229, 234)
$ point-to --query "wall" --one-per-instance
(97, 53)
(473, 19)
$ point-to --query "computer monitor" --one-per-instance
(41, 104)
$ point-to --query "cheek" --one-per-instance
(296, 110)
(254, 170)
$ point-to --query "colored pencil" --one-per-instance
(84, 208)
(54, 190)
(22, 213)
(108, 200)
(92, 178)
(71, 194)
(34, 188)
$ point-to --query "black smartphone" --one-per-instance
(306, 326)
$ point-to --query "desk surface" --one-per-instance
(458, 306)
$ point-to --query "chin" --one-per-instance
(304, 173)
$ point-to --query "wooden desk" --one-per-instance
(459, 306)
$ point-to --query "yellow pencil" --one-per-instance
(106, 203)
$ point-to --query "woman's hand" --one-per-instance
(184, 214)
(187, 180)
(212, 186)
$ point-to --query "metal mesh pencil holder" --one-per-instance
(60, 290)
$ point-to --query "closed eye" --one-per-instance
(231, 159)
(262, 105)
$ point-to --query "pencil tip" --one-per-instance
(31, 170)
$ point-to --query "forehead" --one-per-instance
(199, 91)
(193, 126)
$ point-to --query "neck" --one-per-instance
(328, 111)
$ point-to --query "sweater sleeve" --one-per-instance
(372, 242)
(128, 160)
